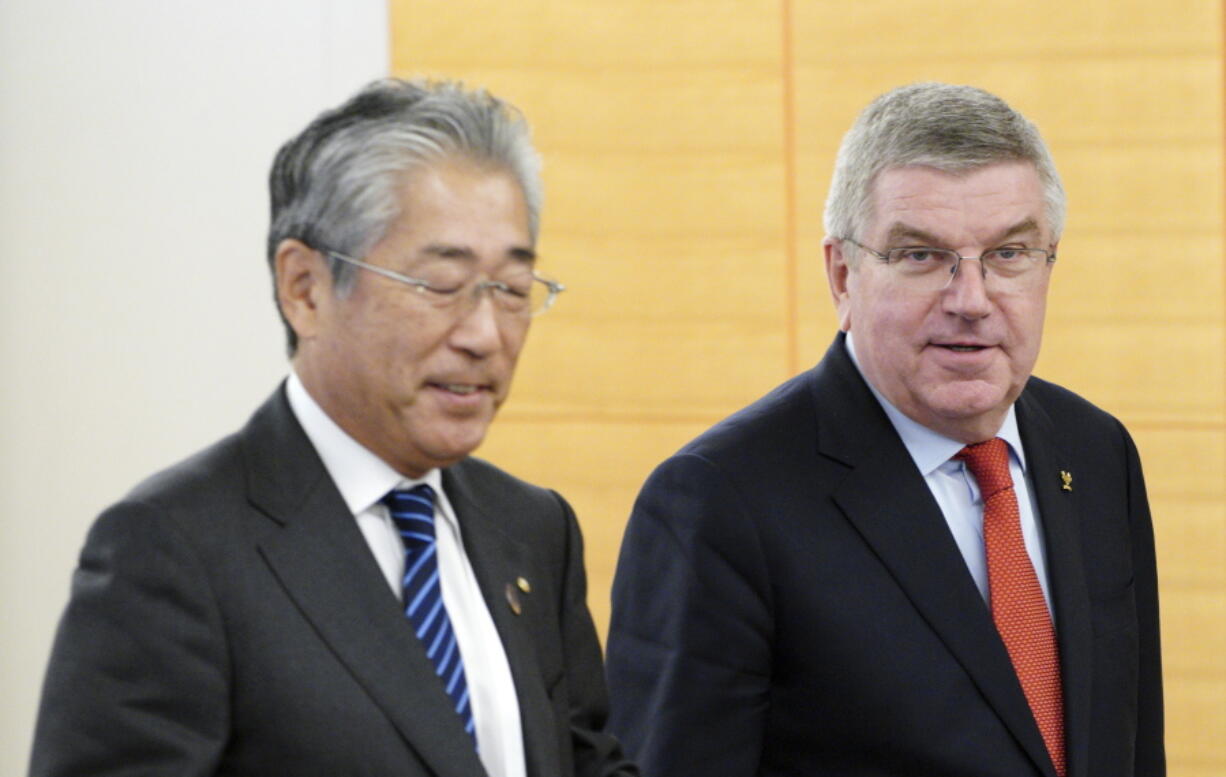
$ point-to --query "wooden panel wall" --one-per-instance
(688, 146)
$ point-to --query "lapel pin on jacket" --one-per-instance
(513, 599)
(1066, 480)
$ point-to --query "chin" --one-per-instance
(454, 447)
(961, 402)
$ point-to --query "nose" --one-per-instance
(477, 329)
(967, 293)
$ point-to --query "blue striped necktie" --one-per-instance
(413, 512)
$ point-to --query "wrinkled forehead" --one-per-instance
(934, 205)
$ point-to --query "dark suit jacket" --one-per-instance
(228, 618)
(789, 600)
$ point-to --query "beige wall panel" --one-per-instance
(1184, 469)
(1141, 371)
(687, 113)
(1147, 99)
(1142, 277)
(1192, 460)
(662, 278)
(1195, 720)
(1158, 100)
(638, 369)
(921, 31)
(1190, 523)
(1202, 612)
(1125, 190)
(716, 193)
(1195, 687)
(563, 35)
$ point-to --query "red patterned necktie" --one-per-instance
(1018, 607)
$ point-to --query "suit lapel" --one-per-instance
(498, 560)
(325, 566)
(1070, 596)
(904, 526)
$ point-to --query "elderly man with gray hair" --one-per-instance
(915, 558)
(339, 588)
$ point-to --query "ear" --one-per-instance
(838, 272)
(303, 279)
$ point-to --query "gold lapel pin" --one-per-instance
(513, 599)
(523, 584)
(1067, 480)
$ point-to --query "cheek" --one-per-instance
(1026, 323)
(893, 320)
(406, 340)
(513, 347)
(512, 338)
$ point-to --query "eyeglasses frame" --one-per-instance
(555, 288)
(1049, 257)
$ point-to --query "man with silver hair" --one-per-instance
(339, 588)
(915, 558)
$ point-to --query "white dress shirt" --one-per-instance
(363, 479)
(957, 492)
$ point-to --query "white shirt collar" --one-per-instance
(362, 477)
(928, 449)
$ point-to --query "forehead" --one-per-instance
(462, 202)
(975, 205)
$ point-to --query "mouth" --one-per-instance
(963, 348)
(461, 389)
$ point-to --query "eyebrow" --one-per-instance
(900, 232)
(451, 251)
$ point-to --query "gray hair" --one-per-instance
(951, 128)
(336, 185)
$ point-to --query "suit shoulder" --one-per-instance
(483, 492)
(199, 477)
(179, 521)
(1067, 408)
(479, 472)
(194, 501)
(763, 428)
(487, 484)
(1079, 426)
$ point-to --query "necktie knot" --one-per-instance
(989, 462)
(412, 510)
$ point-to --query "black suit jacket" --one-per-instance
(789, 600)
(228, 618)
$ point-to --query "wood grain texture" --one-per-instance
(688, 147)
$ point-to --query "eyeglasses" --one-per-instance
(933, 269)
(527, 294)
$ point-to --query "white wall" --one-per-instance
(136, 323)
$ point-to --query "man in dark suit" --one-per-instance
(915, 558)
(338, 589)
